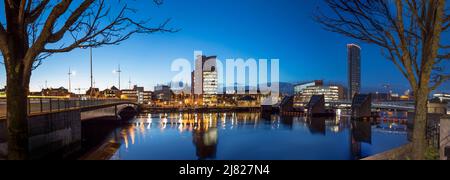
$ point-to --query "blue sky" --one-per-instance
(281, 29)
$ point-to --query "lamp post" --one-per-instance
(92, 76)
(70, 84)
(91, 71)
(118, 71)
(129, 83)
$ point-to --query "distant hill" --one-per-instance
(286, 88)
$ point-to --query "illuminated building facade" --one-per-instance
(147, 97)
(136, 94)
(205, 81)
(55, 92)
(443, 97)
(331, 93)
(163, 95)
(111, 93)
(300, 87)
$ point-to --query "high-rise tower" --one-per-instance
(354, 70)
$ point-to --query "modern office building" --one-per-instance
(205, 81)
(140, 94)
(129, 94)
(331, 93)
(163, 94)
(354, 70)
(443, 97)
(300, 87)
(148, 97)
(136, 94)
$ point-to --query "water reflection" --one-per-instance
(245, 135)
(317, 125)
(361, 133)
(205, 142)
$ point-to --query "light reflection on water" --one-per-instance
(251, 136)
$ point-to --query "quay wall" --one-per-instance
(56, 134)
(146, 109)
(400, 153)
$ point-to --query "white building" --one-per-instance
(205, 80)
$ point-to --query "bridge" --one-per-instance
(388, 105)
(43, 106)
(55, 123)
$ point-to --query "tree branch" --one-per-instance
(2, 38)
(22, 12)
(406, 29)
(439, 80)
(444, 56)
(120, 29)
(34, 14)
(2, 30)
(72, 19)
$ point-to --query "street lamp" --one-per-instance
(92, 75)
(90, 62)
(71, 73)
(70, 84)
(118, 71)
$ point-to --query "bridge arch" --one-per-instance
(119, 112)
(127, 112)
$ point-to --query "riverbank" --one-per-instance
(401, 153)
(154, 110)
(95, 136)
(104, 152)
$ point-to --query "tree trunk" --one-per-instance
(17, 92)
(420, 123)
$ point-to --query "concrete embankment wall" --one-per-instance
(56, 134)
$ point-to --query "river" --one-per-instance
(244, 136)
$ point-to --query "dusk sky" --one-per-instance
(282, 29)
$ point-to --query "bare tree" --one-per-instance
(409, 32)
(36, 29)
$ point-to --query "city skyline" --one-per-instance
(147, 59)
(222, 80)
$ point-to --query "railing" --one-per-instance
(433, 131)
(49, 105)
